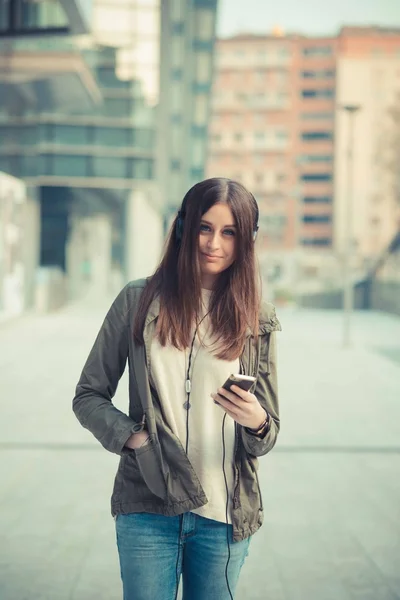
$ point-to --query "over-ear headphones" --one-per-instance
(179, 227)
(181, 217)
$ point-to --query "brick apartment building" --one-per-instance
(276, 126)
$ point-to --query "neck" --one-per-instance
(208, 281)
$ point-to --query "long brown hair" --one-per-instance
(235, 301)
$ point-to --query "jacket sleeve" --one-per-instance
(98, 382)
(266, 392)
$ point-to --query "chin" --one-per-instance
(209, 270)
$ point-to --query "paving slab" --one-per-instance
(331, 487)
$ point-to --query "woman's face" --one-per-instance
(217, 243)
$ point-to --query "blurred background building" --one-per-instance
(103, 115)
(278, 126)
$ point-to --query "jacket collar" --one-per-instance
(153, 312)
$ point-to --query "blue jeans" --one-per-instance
(154, 551)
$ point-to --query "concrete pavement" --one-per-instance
(331, 486)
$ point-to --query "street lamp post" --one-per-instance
(348, 289)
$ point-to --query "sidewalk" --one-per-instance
(331, 487)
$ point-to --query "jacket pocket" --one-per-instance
(148, 459)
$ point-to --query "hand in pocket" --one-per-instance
(137, 440)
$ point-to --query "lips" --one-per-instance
(211, 257)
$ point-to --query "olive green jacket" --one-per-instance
(158, 477)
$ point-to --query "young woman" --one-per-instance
(186, 497)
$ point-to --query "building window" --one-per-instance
(176, 118)
(203, 45)
(201, 87)
(70, 166)
(307, 158)
(308, 136)
(28, 165)
(69, 135)
(199, 131)
(117, 107)
(111, 136)
(282, 137)
(177, 27)
(324, 93)
(317, 218)
(197, 174)
(321, 74)
(176, 74)
(325, 241)
(317, 51)
(105, 166)
(317, 199)
(316, 177)
(310, 116)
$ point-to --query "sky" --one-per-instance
(310, 17)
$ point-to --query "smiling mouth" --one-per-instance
(210, 255)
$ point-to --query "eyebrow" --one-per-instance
(208, 223)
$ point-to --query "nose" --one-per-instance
(213, 241)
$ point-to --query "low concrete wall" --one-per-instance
(333, 299)
(385, 295)
(368, 295)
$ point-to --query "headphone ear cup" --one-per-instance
(179, 229)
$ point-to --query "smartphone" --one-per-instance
(243, 381)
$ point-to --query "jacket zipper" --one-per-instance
(235, 500)
(258, 484)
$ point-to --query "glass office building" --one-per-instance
(127, 116)
(187, 50)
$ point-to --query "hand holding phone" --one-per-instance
(243, 381)
(246, 411)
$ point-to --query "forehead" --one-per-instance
(220, 213)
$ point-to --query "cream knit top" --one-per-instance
(168, 368)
